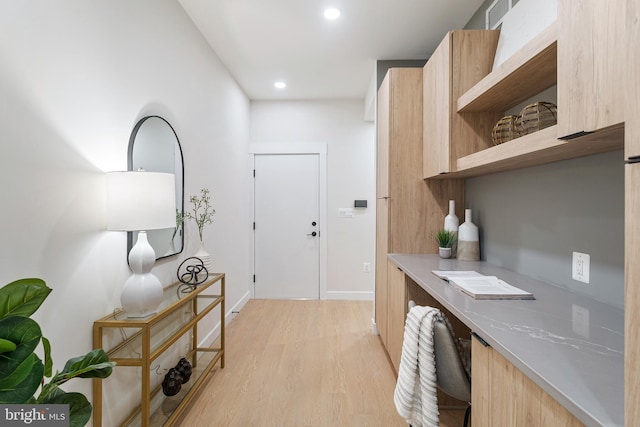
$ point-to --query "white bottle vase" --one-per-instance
(451, 222)
(468, 239)
(205, 257)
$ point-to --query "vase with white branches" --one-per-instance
(202, 213)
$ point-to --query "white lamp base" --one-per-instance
(142, 292)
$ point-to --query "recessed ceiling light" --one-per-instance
(332, 13)
(280, 85)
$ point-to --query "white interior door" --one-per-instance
(287, 226)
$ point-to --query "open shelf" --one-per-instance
(529, 71)
(168, 408)
(535, 149)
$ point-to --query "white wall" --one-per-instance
(350, 175)
(75, 77)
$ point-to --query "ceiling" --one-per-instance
(261, 41)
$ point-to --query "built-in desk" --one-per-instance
(571, 346)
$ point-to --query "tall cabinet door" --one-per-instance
(397, 309)
(437, 93)
(632, 295)
(382, 288)
(632, 82)
(382, 136)
(632, 227)
(591, 65)
(409, 210)
(463, 58)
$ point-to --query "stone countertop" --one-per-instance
(569, 345)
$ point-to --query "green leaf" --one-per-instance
(22, 297)
(6, 345)
(48, 363)
(23, 392)
(79, 407)
(94, 364)
(19, 374)
(48, 392)
(26, 334)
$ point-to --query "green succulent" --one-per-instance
(446, 238)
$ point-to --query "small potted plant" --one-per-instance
(445, 240)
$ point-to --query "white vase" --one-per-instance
(205, 257)
(451, 222)
(468, 239)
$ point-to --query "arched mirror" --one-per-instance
(154, 147)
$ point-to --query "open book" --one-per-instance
(479, 286)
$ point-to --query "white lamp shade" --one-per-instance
(140, 200)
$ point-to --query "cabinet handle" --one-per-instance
(575, 135)
(480, 340)
(633, 159)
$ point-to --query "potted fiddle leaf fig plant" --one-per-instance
(445, 240)
(22, 372)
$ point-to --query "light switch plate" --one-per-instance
(345, 212)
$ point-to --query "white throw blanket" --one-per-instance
(415, 395)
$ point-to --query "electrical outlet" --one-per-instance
(580, 267)
(366, 267)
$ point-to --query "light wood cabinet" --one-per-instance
(591, 65)
(461, 60)
(382, 288)
(632, 294)
(632, 82)
(436, 75)
(502, 395)
(409, 210)
(632, 228)
(538, 65)
(384, 118)
(397, 313)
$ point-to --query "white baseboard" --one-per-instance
(228, 317)
(374, 328)
(351, 295)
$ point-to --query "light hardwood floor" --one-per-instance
(301, 363)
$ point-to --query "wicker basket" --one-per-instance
(537, 116)
(505, 130)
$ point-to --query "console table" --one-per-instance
(141, 342)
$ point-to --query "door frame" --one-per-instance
(320, 149)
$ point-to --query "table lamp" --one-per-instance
(140, 201)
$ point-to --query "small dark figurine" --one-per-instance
(185, 369)
(191, 275)
(172, 382)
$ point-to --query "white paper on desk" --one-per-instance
(448, 274)
(489, 287)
